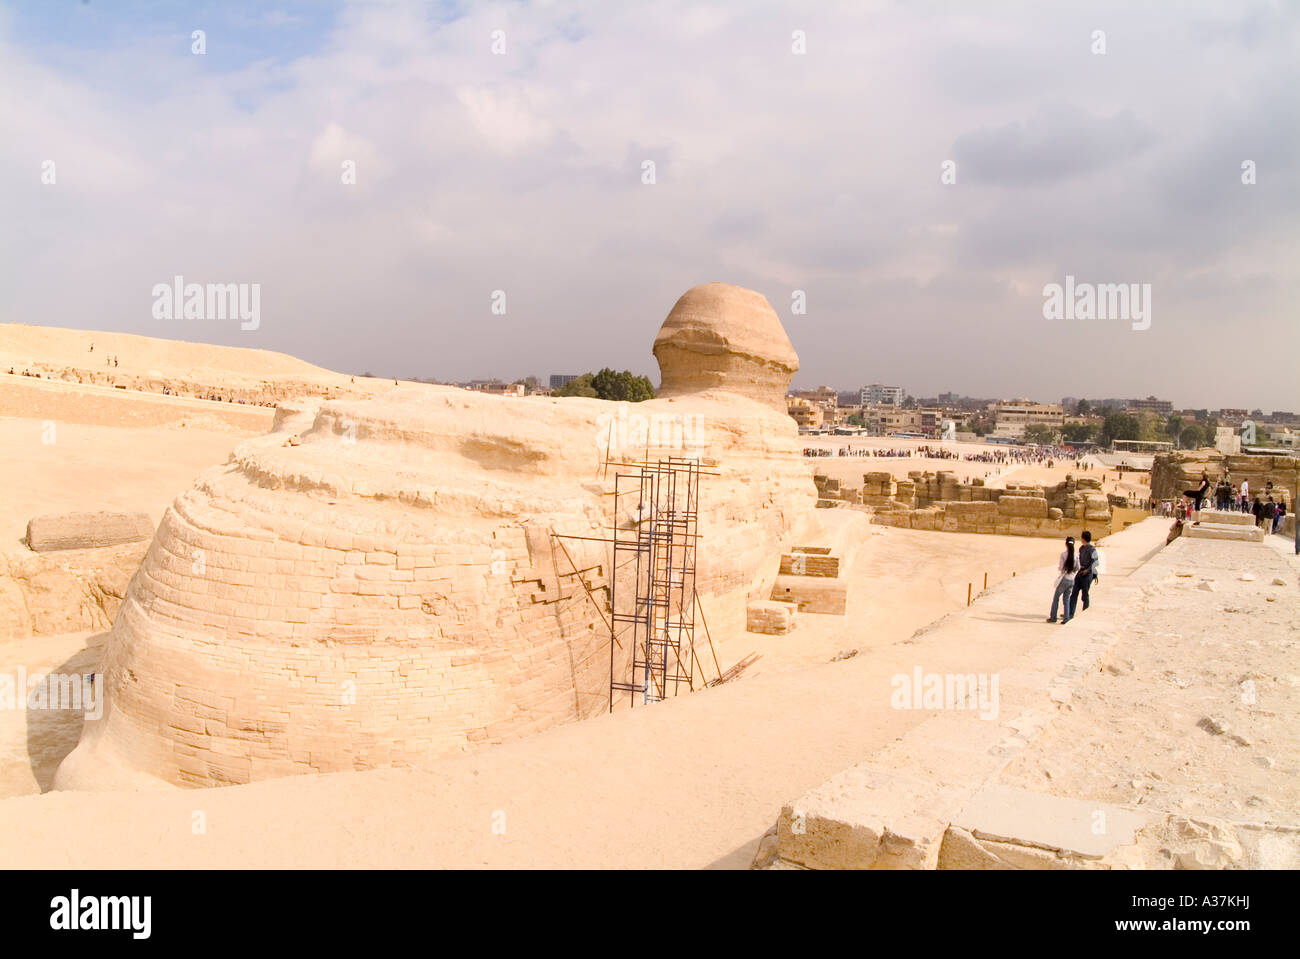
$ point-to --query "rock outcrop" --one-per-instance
(379, 582)
(1171, 473)
(64, 592)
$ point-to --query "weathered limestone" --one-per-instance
(768, 616)
(68, 591)
(1171, 473)
(1002, 827)
(86, 530)
(723, 337)
(811, 577)
(378, 581)
(936, 501)
(1245, 534)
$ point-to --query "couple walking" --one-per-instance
(1076, 574)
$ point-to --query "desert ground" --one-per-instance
(697, 780)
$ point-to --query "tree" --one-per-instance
(609, 385)
(1174, 426)
(1192, 437)
(625, 387)
(857, 419)
(578, 386)
(1078, 432)
(1118, 426)
(1149, 426)
(1040, 433)
(1082, 408)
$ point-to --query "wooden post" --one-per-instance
(968, 586)
(986, 579)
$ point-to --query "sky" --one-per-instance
(501, 222)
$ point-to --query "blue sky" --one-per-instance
(521, 169)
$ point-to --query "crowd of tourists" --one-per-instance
(1040, 456)
(1268, 506)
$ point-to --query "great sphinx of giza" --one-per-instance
(377, 583)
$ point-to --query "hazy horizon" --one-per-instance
(503, 147)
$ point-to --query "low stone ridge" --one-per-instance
(86, 530)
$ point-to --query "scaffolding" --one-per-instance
(656, 523)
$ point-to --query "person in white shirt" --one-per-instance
(1066, 567)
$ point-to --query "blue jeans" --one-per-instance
(1062, 595)
(1081, 584)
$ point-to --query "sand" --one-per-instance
(691, 783)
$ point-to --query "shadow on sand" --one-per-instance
(53, 733)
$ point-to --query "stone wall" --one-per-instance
(937, 501)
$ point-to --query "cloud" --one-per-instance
(779, 171)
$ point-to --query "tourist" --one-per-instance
(1270, 515)
(1199, 495)
(1065, 568)
(1245, 496)
(1279, 516)
(1084, 577)
(1258, 510)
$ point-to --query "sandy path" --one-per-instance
(692, 782)
(91, 468)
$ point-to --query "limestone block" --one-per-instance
(867, 818)
(1024, 506)
(1065, 828)
(925, 518)
(810, 562)
(972, 512)
(812, 594)
(768, 616)
(86, 530)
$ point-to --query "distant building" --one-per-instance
(1151, 405)
(806, 414)
(877, 394)
(560, 379)
(1012, 417)
(895, 420)
(823, 396)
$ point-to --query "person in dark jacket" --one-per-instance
(1086, 574)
